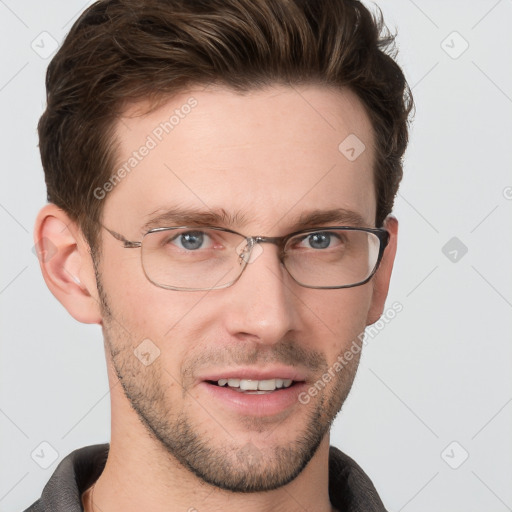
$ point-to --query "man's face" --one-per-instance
(266, 159)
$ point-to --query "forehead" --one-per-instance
(266, 155)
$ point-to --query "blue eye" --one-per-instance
(321, 240)
(191, 240)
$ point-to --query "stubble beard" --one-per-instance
(236, 468)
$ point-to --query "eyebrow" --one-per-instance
(221, 218)
(193, 217)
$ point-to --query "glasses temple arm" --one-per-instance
(127, 244)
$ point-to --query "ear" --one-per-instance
(66, 264)
(383, 275)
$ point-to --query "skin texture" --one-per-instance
(266, 158)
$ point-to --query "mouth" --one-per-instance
(255, 392)
(254, 387)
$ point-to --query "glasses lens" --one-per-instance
(209, 258)
(192, 258)
(332, 258)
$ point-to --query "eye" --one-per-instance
(192, 240)
(321, 240)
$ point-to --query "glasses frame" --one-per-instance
(381, 233)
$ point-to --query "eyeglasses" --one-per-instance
(210, 258)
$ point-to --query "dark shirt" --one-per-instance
(350, 489)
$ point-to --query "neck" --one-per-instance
(135, 480)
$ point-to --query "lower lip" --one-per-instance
(250, 404)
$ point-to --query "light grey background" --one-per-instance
(438, 373)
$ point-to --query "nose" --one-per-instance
(262, 304)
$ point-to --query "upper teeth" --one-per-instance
(256, 385)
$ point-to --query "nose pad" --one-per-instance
(248, 251)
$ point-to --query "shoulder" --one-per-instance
(74, 474)
(350, 488)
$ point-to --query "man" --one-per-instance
(220, 177)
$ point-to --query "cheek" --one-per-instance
(140, 306)
(338, 317)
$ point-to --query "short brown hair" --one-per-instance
(120, 51)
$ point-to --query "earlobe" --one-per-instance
(383, 275)
(66, 264)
